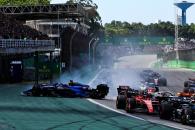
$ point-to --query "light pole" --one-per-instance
(59, 41)
(73, 35)
(58, 29)
(90, 49)
(94, 45)
(176, 35)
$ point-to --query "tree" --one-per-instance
(94, 20)
(24, 2)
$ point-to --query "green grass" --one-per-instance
(175, 64)
(181, 64)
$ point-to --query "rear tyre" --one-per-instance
(165, 110)
(121, 102)
(130, 105)
(163, 82)
(102, 90)
(94, 94)
(186, 84)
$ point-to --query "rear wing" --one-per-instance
(123, 89)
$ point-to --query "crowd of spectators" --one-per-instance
(13, 29)
(114, 51)
(183, 44)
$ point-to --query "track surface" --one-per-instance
(126, 72)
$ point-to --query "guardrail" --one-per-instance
(20, 43)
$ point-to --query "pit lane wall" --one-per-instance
(186, 59)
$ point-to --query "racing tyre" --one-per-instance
(120, 102)
(36, 93)
(163, 82)
(102, 90)
(185, 117)
(94, 94)
(165, 110)
(130, 105)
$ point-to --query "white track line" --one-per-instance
(129, 115)
(93, 101)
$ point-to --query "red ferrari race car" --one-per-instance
(143, 102)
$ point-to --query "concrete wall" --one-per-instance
(185, 55)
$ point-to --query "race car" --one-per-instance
(153, 77)
(143, 102)
(187, 92)
(146, 85)
(178, 109)
(145, 73)
(190, 82)
(73, 89)
(163, 96)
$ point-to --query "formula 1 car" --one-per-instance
(187, 92)
(147, 85)
(178, 109)
(190, 82)
(142, 102)
(163, 95)
(132, 100)
(153, 77)
(73, 89)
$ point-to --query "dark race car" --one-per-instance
(73, 89)
(147, 85)
(190, 82)
(187, 91)
(178, 109)
(157, 79)
(145, 73)
(153, 77)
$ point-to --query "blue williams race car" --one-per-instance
(73, 89)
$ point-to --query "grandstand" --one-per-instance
(18, 41)
(12, 29)
(44, 23)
